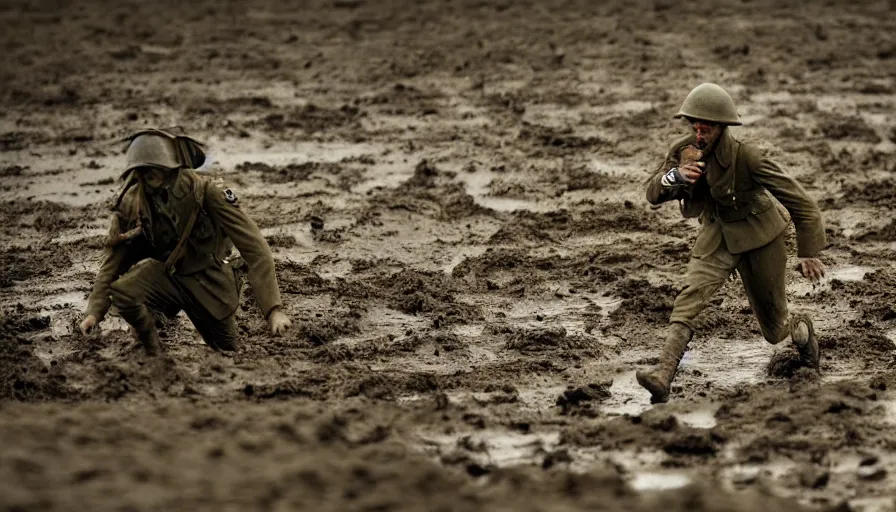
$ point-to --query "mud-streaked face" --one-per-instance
(707, 133)
(153, 177)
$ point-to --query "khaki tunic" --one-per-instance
(745, 203)
(201, 271)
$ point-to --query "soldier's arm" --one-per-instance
(114, 260)
(810, 236)
(659, 187)
(247, 238)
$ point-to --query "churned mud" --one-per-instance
(453, 194)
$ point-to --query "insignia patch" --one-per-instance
(229, 196)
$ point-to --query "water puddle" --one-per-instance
(698, 418)
(728, 363)
(889, 410)
(847, 273)
(627, 397)
(878, 504)
(502, 449)
(650, 481)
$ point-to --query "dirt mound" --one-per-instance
(45, 216)
(878, 193)
(309, 119)
(644, 301)
(580, 400)
(431, 192)
(22, 264)
(850, 128)
(24, 376)
(553, 339)
(554, 141)
(431, 293)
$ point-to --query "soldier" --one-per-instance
(172, 232)
(738, 196)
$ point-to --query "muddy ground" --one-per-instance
(487, 276)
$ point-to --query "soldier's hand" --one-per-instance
(87, 324)
(812, 269)
(278, 322)
(691, 172)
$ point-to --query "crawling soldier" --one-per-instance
(171, 235)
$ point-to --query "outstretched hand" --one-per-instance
(811, 268)
(278, 322)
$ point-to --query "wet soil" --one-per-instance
(453, 194)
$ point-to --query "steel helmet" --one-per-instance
(709, 102)
(152, 149)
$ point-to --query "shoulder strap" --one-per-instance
(201, 189)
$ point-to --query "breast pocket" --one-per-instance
(761, 203)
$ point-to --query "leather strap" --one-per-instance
(182, 243)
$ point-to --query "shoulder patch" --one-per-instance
(229, 196)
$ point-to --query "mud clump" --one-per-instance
(578, 401)
(23, 376)
(281, 240)
(431, 192)
(555, 140)
(322, 331)
(851, 128)
(290, 172)
(311, 119)
(692, 443)
(384, 386)
(414, 292)
(545, 339)
(298, 279)
(784, 364)
(157, 376)
(644, 301)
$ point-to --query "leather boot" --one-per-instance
(659, 381)
(802, 333)
(141, 320)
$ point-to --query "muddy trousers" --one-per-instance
(762, 271)
(146, 289)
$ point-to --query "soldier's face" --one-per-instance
(707, 133)
(152, 177)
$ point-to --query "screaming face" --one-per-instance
(707, 133)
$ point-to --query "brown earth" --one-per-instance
(453, 192)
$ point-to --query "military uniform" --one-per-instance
(745, 203)
(139, 275)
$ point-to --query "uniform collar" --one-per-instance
(725, 148)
